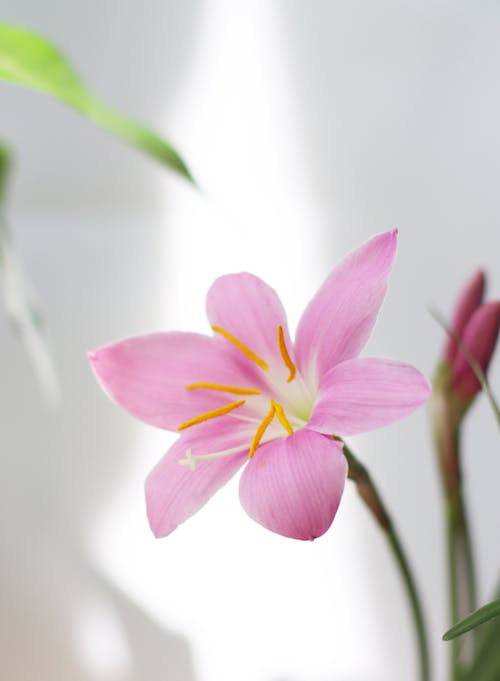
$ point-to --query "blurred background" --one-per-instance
(309, 127)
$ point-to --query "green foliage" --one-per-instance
(30, 60)
(486, 663)
(484, 614)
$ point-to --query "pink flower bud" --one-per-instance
(479, 338)
(468, 301)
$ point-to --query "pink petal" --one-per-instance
(366, 393)
(250, 310)
(174, 492)
(468, 301)
(339, 319)
(480, 337)
(293, 486)
(147, 376)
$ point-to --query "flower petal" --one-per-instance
(251, 311)
(147, 375)
(174, 492)
(293, 486)
(339, 319)
(366, 393)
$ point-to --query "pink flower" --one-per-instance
(248, 395)
(476, 325)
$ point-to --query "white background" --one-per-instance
(309, 126)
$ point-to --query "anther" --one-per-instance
(281, 416)
(220, 411)
(261, 430)
(224, 388)
(284, 354)
(242, 347)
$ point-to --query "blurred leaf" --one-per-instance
(486, 663)
(4, 171)
(30, 60)
(20, 302)
(487, 612)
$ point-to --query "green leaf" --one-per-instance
(30, 60)
(486, 663)
(484, 614)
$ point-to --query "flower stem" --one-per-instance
(461, 572)
(462, 583)
(368, 492)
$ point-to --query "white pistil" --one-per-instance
(192, 459)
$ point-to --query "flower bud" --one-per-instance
(479, 339)
(468, 301)
(472, 338)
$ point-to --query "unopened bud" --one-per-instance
(478, 341)
(469, 299)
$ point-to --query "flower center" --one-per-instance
(275, 408)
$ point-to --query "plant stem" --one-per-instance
(462, 582)
(368, 492)
(461, 571)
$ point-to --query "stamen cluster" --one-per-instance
(275, 408)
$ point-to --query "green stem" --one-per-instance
(461, 571)
(368, 492)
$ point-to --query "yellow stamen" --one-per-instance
(280, 413)
(284, 353)
(243, 348)
(224, 388)
(261, 430)
(211, 414)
